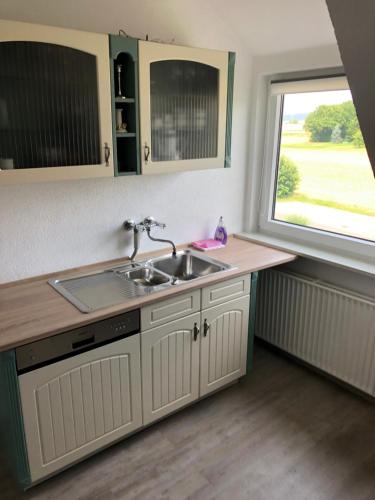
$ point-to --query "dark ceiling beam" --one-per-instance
(354, 24)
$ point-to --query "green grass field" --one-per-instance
(333, 175)
(344, 146)
(299, 139)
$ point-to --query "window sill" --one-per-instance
(339, 260)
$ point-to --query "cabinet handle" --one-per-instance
(147, 152)
(206, 327)
(107, 154)
(196, 331)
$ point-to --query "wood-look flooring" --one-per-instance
(283, 432)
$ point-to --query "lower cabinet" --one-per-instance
(190, 345)
(223, 344)
(188, 358)
(170, 367)
(74, 407)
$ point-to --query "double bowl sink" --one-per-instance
(184, 266)
(108, 287)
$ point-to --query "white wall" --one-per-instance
(343, 278)
(54, 226)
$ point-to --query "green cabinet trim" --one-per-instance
(228, 136)
(125, 142)
(128, 144)
(253, 300)
(11, 419)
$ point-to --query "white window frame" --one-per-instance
(331, 242)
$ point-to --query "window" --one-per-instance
(318, 183)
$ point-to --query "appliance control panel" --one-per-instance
(52, 349)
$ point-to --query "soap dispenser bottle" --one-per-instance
(221, 233)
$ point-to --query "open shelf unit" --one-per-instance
(125, 104)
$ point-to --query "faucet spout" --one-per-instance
(136, 244)
(161, 240)
(145, 225)
(130, 225)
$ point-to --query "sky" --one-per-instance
(308, 101)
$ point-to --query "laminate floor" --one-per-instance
(281, 433)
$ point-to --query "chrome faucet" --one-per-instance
(130, 225)
(145, 225)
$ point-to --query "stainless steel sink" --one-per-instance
(145, 276)
(187, 265)
(107, 287)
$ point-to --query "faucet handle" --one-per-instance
(149, 222)
(129, 224)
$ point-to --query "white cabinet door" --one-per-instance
(224, 333)
(170, 367)
(63, 122)
(183, 107)
(76, 406)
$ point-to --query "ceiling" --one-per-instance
(271, 26)
(262, 26)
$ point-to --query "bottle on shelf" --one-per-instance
(121, 126)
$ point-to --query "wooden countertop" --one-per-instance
(31, 309)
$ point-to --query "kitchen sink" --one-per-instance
(107, 287)
(187, 265)
(145, 276)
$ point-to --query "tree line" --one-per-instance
(334, 123)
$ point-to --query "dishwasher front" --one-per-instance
(80, 391)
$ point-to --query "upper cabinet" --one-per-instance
(125, 111)
(75, 104)
(55, 104)
(184, 107)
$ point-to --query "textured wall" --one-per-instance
(54, 226)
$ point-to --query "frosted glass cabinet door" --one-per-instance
(183, 103)
(55, 108)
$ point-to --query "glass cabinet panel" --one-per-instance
(49, 113)
(55, 104)
(184, 110)
(183, 107)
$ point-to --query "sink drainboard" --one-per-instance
(96, 291)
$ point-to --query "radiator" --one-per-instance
(330, 328)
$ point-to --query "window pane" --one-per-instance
(48, 106)
(184, 110)
(325, 180)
